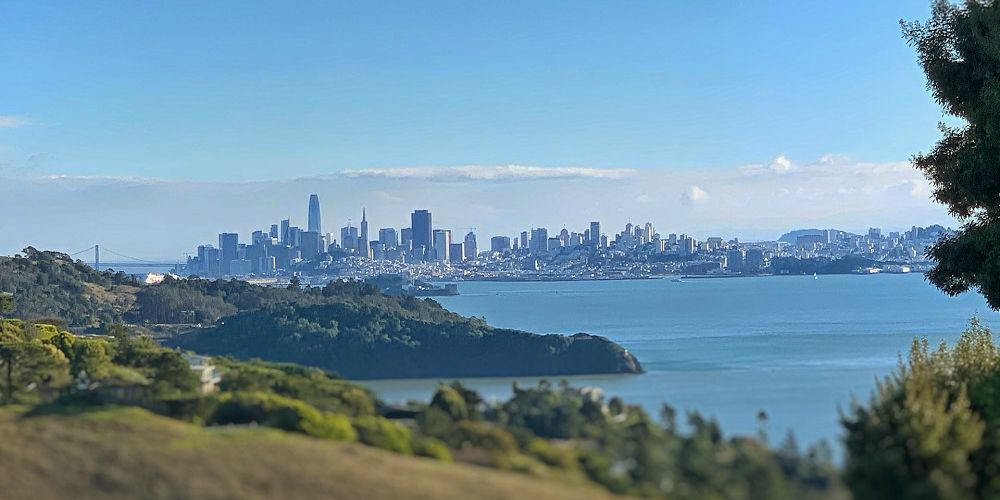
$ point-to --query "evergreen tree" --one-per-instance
(959, 49)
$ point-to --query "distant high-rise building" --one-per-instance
(754, 261)
(258, 237)
(595, 233)
(285, 225)
(315, 222)
(363, 246)
(406, 239)
(228, 245)
(734, 260)
(295, 236)
(387, 237)
(208, 261)
(524, 239)
(500, 244)
(422, 227)
(456, 252)
(471, 251)
(553, 244)
(349, 238)
(274, 231)
(442, 244)
(539, 240)
(311, 244)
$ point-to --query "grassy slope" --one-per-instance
(129, 453)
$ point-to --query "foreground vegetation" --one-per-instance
(554, 433)
(120, 453)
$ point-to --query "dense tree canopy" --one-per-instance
(959, 49)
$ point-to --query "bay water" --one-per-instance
(795, 347)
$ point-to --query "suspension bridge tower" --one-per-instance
(97, 257)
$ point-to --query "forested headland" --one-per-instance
(346, 327)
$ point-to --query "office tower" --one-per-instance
(228, 243)
(647, 232)
(257, 238)
(406, 239)
(874, 233)
(754, 260)
(442, 244)
(564, 237)
(387, 237)
(500, 244)
(734, 260)
(285, 224)
(376, 250)
(595, 233)
(671, 239)
(208, 261)
(311, 244)
(315, 222)
(349, 238)
(524, 239)
(295, 236)
(687, 245)
(363, 247)
(456, 252)
(274, 231)
(420, 222)
(470, 246)
(539, 240)
(553, 244)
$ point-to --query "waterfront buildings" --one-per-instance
(638, 250)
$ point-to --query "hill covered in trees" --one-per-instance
(347, 327)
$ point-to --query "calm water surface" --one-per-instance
(796, 347)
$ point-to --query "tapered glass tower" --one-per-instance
(314, 217)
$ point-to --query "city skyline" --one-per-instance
(164, 219)
(283, 248)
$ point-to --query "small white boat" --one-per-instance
(677, 280)
(815, 277)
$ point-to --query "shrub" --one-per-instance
(382, 433)
(288, 414)
(331, 426)
(425, 446)
(563, 458)
(483, 435)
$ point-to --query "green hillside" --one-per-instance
(130, 453)
(346, 327)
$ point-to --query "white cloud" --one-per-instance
(11, 121)
(781, 163)
(489, 173)
(695, 194)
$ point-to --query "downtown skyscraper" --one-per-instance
(420, 222)
(315, 221)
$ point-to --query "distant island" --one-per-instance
(350, 328)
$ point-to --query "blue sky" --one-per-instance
(220, 91)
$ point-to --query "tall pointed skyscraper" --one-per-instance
(315, 225)
(363, 247)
